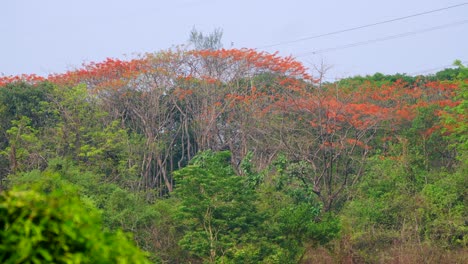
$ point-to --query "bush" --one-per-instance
(58, 228)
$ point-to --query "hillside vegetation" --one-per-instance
(239, 156)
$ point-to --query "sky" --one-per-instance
(53, 36)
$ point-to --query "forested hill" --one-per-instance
(239, 156)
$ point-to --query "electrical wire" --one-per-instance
(382, 39)
(364, 26)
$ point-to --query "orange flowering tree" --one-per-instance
(179, 102)
(328, 132)
(182, 102)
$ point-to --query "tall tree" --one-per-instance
(216, 207)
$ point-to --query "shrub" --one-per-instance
(58, 228)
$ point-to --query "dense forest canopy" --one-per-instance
(239, 156)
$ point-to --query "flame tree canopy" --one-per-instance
(243, 100)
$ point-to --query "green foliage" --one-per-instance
(457, 117)
(303, 223)
(445, 210)
(24, 146)
(378, 79)
(370, 206)
(25, 111)
(56, 228)
(295, 222)
(389, 208)
(43, 122)
(215, 206)
(111, 148)
(448, 74)
(120, 209)
(462, 70)
(22, 99)
(253, 178)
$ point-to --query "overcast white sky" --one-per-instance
(52, 36)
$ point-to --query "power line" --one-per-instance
(382, 39)
(360, 27)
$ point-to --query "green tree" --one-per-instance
(24, 110)
(217, 208)
(294, 216)
(23, 150)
